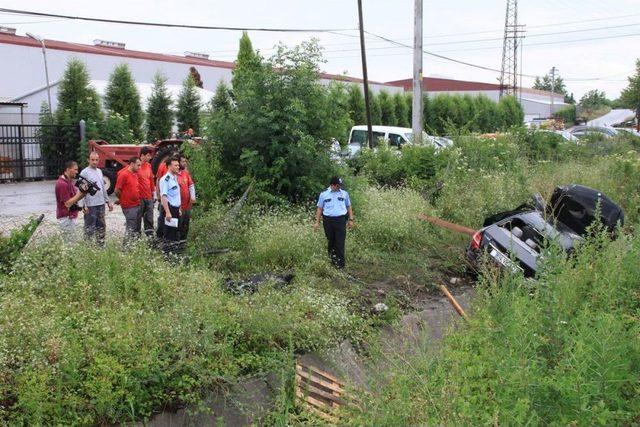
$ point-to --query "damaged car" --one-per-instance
(514, 240)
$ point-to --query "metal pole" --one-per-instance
(553, 88)
(416, 114)
(365, 77)
(46, 68)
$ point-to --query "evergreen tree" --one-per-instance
(467, 113)
(630, 96)
(486, 114)
(196, 77)
(387, 109)
(376, 113)
(511, 113)
(122, 97)
(338, 120)
(116, 129)
(221, 101)
(188, 115)
(159, 114)
(247, 74)
(77, 100)
(357, 110)
(52, 154)
(400, 105)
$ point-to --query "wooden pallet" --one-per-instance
(319, 392)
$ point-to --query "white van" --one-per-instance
(396, 136)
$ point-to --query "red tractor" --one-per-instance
(114, 157)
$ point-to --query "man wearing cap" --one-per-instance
(334, 207)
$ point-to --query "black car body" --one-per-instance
(514, 240)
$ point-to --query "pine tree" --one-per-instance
(246, 75)
(159, 114)
(122, 97)
(188, 115)
(400, 105)
(511, 113)
(387, 109)
(77, 100)
(357, 111)
(376, 113)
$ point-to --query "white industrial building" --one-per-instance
(23, 85)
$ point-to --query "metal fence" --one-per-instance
(36, 151)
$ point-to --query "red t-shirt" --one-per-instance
(64, 191)
(185, 181)
(146, 182)
(129, 187)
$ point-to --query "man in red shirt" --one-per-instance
(66, 198)
(128, 193)
(147, 188)
(187, 196)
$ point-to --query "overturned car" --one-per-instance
(514, 240)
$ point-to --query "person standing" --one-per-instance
(334, 207)
(171, 202)
(147, 188)
(162, 171)
(66, 198)
(94, 205)
(187, 196)
(127, 191)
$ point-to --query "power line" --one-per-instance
(169, 25)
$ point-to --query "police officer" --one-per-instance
(170, 200)
(334, 206)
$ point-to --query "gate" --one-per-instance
(30, 152)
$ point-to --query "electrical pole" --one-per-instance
(365, 78)
(513, 35)
(416, 114)
(553, 88)
(46, 68)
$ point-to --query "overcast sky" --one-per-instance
(596, 47)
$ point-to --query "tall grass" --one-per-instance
(565, 350)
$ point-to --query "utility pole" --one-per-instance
(46, 69)
(365, 78)
(416, 114)
(513, 35)
(553, 88)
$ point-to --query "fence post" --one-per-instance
(20, 149)
(83, 130)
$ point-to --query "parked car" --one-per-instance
(515, 240)
(584, 131)
(397, 137)
(565, 135)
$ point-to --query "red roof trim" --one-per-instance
(102, 50)
(436, 84)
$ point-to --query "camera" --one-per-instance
(86, 186)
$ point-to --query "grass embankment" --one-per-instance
(91, 336)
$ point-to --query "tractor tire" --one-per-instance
(109, 177)
(161, 156)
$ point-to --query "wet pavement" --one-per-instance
(23, 200)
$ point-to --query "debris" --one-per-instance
(252, 283)
(453, 301)
(455, 280)
(320, 392)
(380, 307)
(448, 225)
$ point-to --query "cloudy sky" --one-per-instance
(591, 42)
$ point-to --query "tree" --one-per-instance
(486, 113)
(77, 100)
(593, 104)
(338, 119)
(400, 105)
(52, 153)
(278, 131)
(159, 114)
(196, 77)
(630, 96)
(387, 109)
(122, 97)
(546, 83)
(376, 112)
(188, 115)
(116, 129)
(357, 110)
(511, 113)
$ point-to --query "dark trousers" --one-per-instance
(132, 224)
(172, 234)
(335, 228)
(94, 223)
(146, 216)
(184, 224)
(160, 228)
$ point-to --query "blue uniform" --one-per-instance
(169, 187)
(334, 203)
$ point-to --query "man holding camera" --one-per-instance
(66, 198)
(94, 204)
